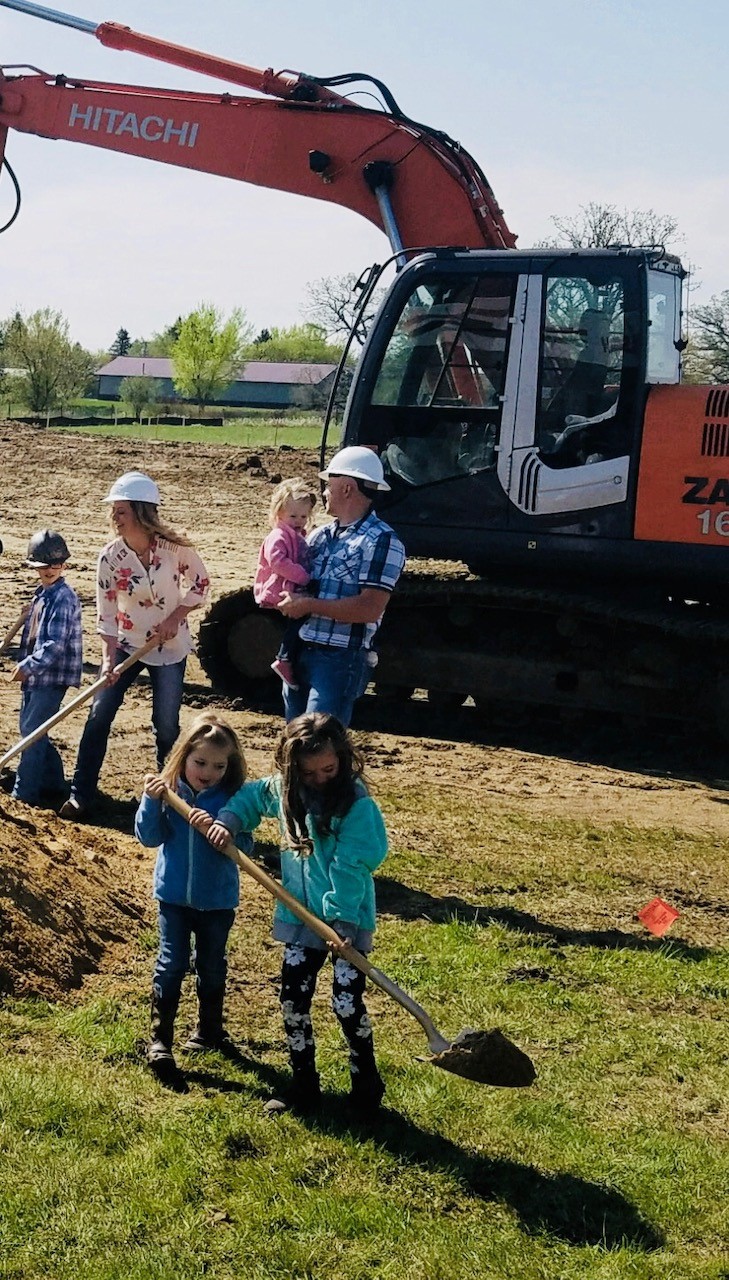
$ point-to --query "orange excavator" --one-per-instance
(526, 404)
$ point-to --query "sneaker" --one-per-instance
(72, 810)
(285, 670)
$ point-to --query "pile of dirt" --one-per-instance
(67, 901)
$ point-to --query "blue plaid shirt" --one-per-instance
(55, 654)
(344, 560)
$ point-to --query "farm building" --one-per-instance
(260, 384)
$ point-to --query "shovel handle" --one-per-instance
(78, 701)
(12, 632)
(323, 930)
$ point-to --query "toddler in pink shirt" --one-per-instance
(283, 563)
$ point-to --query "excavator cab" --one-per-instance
(505, 394)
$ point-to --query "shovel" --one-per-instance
(78, 701)
(487, 1057)
(12, 632)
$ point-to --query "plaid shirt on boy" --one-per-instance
(344, 560)
(51, 647)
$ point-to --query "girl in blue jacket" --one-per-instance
(333, 839)
(195, 886)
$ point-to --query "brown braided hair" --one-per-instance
(307, 735)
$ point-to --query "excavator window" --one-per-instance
(438, 395)
(583, 360)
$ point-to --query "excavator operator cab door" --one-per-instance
(577, 415)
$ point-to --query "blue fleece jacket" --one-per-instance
(335, 881)
(189, 872)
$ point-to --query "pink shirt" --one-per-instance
(283, 565)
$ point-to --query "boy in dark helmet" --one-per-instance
(49, 663)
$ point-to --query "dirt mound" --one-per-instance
(66, 901)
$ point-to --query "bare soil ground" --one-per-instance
(73, 899)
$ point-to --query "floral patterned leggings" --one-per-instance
(301, 966)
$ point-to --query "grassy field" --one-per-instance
(255, 429)
(615, 1164)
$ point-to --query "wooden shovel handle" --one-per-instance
(12, 632)
(78, 701)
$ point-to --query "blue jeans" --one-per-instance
(166, 700)
(329, 680)
(176, 928)
(40, 767)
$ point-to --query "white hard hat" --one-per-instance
(133, 486)
(359, 463)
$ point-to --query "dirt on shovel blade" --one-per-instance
(488, 1057)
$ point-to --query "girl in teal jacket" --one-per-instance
(334, 838)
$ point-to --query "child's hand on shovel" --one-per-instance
(338, 948)
(201, 821)
(218, 835)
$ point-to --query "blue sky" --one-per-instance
(561, 102)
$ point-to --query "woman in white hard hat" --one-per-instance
(139, 593)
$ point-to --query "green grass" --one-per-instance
(613, 1166)
(254, 432)
(251, 428)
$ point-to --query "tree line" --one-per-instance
(42, 367)
(208, 349)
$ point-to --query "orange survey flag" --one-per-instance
(658, 916)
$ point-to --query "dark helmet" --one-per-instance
(45, 549)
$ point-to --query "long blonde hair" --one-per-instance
(294, 490)
(214, 732)
(147, 516)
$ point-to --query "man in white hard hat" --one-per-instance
(356, 561)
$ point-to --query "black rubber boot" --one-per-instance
(303, 1095)
(210, 1034)
(366, 1093)
(159, 1050)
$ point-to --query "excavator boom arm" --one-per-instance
(302, 137)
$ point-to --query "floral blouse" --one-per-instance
(131, 599)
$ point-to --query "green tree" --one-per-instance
(708, 355)
(141, 393)
(121, 344)
(208, 353)
(299, 344)
(160, 344)
(53, 367)
(333, 303)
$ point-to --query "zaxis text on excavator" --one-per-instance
(526, 404)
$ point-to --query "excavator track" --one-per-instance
(510, 647)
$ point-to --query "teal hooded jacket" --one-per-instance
(335, 880)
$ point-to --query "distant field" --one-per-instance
(255, 428)
(242, 433)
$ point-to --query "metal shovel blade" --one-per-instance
(487, 1057)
